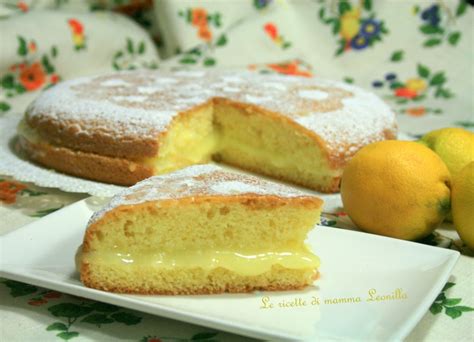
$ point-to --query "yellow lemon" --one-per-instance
(454, 145)
(350, 24)
(463, 204)
(416, 84)
(395, 188)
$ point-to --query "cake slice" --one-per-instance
(201, 230)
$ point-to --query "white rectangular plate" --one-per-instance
(370, 287)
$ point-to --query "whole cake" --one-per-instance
(124, 127)
(201, 230)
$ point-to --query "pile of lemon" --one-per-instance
(405, 189)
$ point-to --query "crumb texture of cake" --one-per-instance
(298, 130)
(201, 230)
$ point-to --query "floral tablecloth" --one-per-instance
(417, 55)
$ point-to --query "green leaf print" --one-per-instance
(461, 8)
(130, 46)
(344, 6)
(423, 71)
(451, 301)
(222, 40)
(47, 65)
(397, 56)
(432, 42)
(209, 61)
(187, 60)
(349, 80)
(32, 193)
(22, 48)
(449, 304)
(436, 308)
(44, 212)
(430, 29)
(104, 307)
(465, 124)
(438, 78)
(97, 319)
(141, 48)
(126, 318)
(69, 310)
(453, 312)
(67, 335)
(453, 38)
(57, 326)
(368, 4)
(464, 308)
(4, 107)
(203, 336)
(8, 81)
(18, 289)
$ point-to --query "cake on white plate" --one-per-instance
(201, 230)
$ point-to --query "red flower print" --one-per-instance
(416, 111)
(291, 68)
(77, 30)
(9, 190)
(76, 26)
(52, 294)
(32, 77)
(405, 92)
(37, 302)
(22, 6)
(204, 33)
(199, 17)
(32, 46)
(54, 78)
(271, 30)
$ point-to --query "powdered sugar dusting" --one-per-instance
(235, 187)
(130, 98)
(313, 94)
(196, 181)
(114, 83)
(257, 99)
(143, 103)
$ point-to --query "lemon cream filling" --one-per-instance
(190, 139)
(28, 133)
(243, 263)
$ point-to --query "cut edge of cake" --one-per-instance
(209, 238)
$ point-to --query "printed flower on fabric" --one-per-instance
(130, 57)
(437, 21)
(203, 22)
(16, 7)
(32, 72)
(261, 4)
(77, 31)
(426, 84)
(9, 191)
(355, 24)
(271, 30)
(295, 67)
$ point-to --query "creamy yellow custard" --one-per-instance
(243, 263)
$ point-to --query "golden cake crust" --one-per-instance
(249, 283)
(252, 201)
(127, 115)
(87, 165)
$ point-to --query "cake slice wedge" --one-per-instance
(201, 230)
